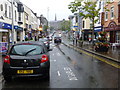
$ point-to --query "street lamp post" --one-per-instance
(12, 24)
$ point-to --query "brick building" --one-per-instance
(112, 20)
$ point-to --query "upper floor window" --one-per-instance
(111, 0)
(9, 12)
(99, 19)
(26, 16)
(19, 17)
(83, 24)
(112, 12)
(100, 5)
(1, 7)
(106, 15)
(15, 16)
(5, 10)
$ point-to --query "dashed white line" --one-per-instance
(58, 73)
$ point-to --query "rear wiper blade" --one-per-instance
(30, 51)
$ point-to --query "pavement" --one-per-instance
(113, 54)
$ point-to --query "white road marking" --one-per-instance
(53, 60)
(53, 45)
(70, 74)
(53, 54)
(58, 73)
(58, 54)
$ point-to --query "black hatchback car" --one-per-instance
(26, 59)
(57, 40)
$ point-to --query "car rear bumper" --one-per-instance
(12, 71)
(56, 41)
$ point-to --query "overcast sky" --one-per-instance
(49, 8)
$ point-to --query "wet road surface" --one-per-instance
(70, 69)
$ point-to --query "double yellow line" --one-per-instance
(101, 59)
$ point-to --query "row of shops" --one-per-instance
(19, 35)
(113, 32)
(6, 30)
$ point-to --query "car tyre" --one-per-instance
(48, 76)
(7, 78)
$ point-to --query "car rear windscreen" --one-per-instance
(26, 50)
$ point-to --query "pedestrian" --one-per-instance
(76, 41)
(73, 40)
(35, 38)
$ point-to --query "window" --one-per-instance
(5, 10)
(28, 50)
(100, 5)
(26, 16)
(83, 24)
(111, 0)
(106, 15)
(1, 7)
(112, 12)
(19, 18)
(9, 12)
(99, 19)
(15, 16)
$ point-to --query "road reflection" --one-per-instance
(25, 83)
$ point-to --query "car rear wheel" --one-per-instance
(7, 78)
(48, 76)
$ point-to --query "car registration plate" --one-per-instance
(24, 71)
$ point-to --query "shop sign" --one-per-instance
(112, 28)
(7, 26)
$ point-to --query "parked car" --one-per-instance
(57, 40)
(45, 41)
(27, 59)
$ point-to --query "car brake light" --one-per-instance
(7, 59)
(44, 58)
(45, 42)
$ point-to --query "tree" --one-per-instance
(87, 10)
(65, 25)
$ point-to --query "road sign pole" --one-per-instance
(12, 36)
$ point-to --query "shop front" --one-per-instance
(114, 32)
(19, 31)
(87, 34)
